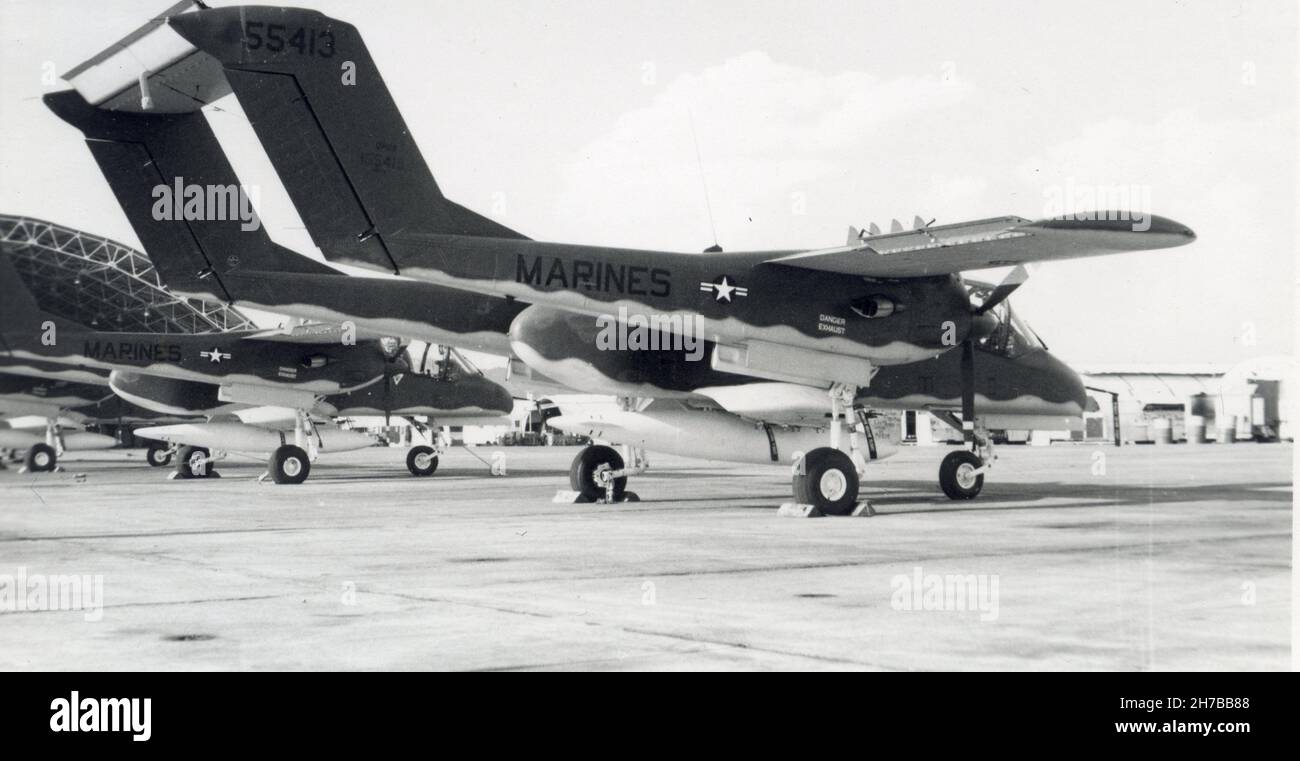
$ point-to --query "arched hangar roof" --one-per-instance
(103, 284)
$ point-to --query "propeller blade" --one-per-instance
(895, 226)
(1009, 284)
(855, 235)
(388, 394)
(873, 228)
(918, 223)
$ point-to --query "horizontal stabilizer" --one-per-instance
(151, 69)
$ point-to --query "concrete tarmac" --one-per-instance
(1074, 557)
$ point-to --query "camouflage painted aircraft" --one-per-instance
(794, 340)
(36, 390)
(55, 403)
(214, 258)
(303, 375)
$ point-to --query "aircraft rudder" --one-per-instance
(325, 116)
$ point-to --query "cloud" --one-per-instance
(1225, 179)
(772, 137)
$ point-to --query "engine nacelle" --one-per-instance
(74, 441)
(708, 434)
(169, 396)
(248, 439)
(605, 356)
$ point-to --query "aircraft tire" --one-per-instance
(829, 482)
(40, 458)
(187, 463)
(582, 473)
(955, 475)
(289, 465)
(422, 461)
(158, 454)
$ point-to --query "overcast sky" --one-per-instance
(573, 121)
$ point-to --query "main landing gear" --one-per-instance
(599, 473)
(291, 463)
(827, 478)
(828, 481)
(195, 462)
(43, 457)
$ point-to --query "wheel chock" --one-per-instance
(798, 510)
(566, 497)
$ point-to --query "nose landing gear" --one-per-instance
(422, 460)
(599, 474)
(961, 473)
(159, 454)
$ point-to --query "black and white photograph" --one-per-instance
(618, 335)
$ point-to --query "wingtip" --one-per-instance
(1152, 227)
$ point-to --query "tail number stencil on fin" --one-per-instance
(276, 38)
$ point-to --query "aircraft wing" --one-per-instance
(997, 242)
(311, 333)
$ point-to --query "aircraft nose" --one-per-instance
(495, 396)
(1061, 382)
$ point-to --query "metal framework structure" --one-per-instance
(103, 284)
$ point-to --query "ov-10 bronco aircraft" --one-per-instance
(264, 390)
(51, 397)
(790, 343)
(50, 402)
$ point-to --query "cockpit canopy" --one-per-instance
(1011, 337)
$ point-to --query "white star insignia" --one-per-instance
(723, 290)
(216, 355)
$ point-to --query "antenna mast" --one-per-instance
(699, 162)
